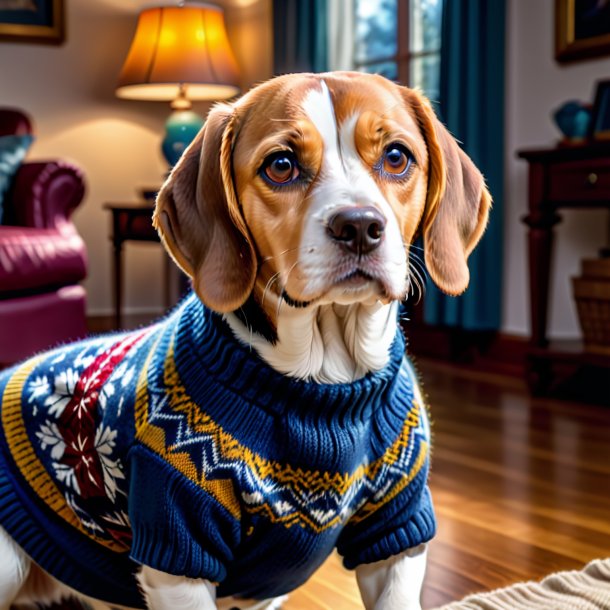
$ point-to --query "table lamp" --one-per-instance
(179, 54)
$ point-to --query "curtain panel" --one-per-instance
(472, 106)
(300, 36)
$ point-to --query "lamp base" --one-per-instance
(180, 130)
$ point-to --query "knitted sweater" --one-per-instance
(176, 447)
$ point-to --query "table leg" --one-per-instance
(118, 284)
(540, 219)
(540, 243)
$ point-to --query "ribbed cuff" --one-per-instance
(419, 529)
(156, 548)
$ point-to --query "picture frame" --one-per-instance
(600, 116)
(582, 29)
(32, 21)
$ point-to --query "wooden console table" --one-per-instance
(132, 222)
(575, 177)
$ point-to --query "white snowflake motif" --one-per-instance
(128, 377)
(84, 359)
(106, 393)
(104, 445)
(66, 475)
(50, 436)
(65, 384)
(59, 358)
(38, 387)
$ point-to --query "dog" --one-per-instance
(216, 458)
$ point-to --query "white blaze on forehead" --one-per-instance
(338, 141)
(318, 106)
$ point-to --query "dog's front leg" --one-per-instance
(395, 583)
(167, 592)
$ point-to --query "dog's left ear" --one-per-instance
(200, 221)
(457, 204)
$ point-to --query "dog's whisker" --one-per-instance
(417, 262)
(309, 249)
(281, 299)
(416, 281)
(274, 278)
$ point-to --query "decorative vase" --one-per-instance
(180, 130)
(573, 120)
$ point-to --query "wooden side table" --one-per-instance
(575, 177)
(132, 222)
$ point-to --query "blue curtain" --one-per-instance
(299, 36)
(472, 106)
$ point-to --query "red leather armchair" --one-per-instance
(41, 255)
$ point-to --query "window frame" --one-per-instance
(403, 56)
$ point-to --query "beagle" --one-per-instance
(293, 211)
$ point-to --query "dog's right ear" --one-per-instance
(199, 220)
(457, 205)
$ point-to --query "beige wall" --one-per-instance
(535, 86)
(69, 92)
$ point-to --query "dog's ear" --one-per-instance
(457, 204)
(199, 219)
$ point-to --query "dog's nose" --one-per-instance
(359, 230)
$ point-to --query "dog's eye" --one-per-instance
(281, 168)
(396, 160)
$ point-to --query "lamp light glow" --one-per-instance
(179, 54)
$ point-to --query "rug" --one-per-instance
(588, 589)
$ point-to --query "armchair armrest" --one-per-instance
(45, 194)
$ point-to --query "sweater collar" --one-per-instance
(205, 346)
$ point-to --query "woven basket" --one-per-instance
(592, 294)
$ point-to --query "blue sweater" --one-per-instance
(176, 447)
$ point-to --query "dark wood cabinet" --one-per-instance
(576, 177)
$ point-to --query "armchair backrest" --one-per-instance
(14, 122)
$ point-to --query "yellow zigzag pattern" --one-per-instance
(230, 449)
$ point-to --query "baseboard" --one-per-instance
(492, 352)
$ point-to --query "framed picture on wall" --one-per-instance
(32, 21)
(582, 29)
(600, 119)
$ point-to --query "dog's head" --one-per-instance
(313, 187)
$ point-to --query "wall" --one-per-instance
(535, 86)
(69, 92)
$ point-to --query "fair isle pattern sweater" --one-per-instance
(176, 447)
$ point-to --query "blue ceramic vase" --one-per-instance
(180, 130)
(574, 120)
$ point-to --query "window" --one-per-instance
(400, 39)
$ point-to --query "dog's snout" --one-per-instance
(357, 229)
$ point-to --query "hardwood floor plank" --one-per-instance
(456, 538)
(561, 482)
(576, 543)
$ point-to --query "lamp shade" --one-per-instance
(179, 50)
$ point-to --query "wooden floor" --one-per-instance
(521, 488)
